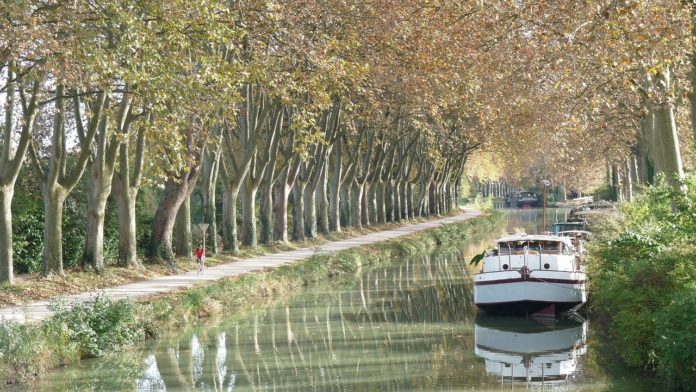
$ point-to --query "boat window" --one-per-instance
(532, 246)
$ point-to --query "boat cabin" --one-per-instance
(559, 227)
(542, 252)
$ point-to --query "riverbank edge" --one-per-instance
(28, 351)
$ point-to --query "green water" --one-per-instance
(407, 326)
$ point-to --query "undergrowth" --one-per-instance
(642, 269)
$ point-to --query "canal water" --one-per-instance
(410, 325)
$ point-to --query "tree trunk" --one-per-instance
(666, 132)
(389, 200)
(335, 199)
(280, 209)
(182, 227)
(356, 203)
(54, 201)
(298, 216)
(365, 210)
(380, 201)
(266, 209)
(372, 203)
(165, 216)
(249, 214)
(400, 197)
(310, 212)
(230, 238)
(208, 188)
(344, 206)
(628, 179)
(98, 189)
(322, 202)
(125, 212)
(7, 266)
(411, 211)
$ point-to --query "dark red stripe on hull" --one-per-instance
(519, 280)
(525, 307)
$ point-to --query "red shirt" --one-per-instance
(200, 252)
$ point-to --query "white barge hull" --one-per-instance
(510, 292)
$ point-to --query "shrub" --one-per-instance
(27, 232)
(97, 327)
(20, 352)
(641, 266)
(676, 340)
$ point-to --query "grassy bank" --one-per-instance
(642, 285)
(103, 326)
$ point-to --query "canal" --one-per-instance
(409, 325)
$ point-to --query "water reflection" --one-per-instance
(531, 220)
(406, 326)
(536, 352)
(399, 327)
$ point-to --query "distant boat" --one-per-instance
(522, 199)
(531, 274)
(566, 226)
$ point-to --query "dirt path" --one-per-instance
(37, 311)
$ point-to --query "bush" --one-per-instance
(97, 327)
(20, 352)
(676, 340)
(642, 262)
(27, 232)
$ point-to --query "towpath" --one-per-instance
(37, 311)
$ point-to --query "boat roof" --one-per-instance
(532, 237)
(574, 232)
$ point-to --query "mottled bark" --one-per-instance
(356, 203)
(266, 211)
(403, 201)
(628, 180)
(97, 195)
(175, 193)
(409, 201)
(281, 192)
(670, 155)
(100, 171)
(298, 233)
(310, 212)
(322, 201)
(125, 187)
(56, 182)
(182, 227)
(230, 238)
(125, 198)
(345, 206)
(7, 268)
(248, 196)
(208, 189)
(380, 200)
(54, 202)
(365, 209)
(11, 160)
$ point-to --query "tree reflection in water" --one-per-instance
(403, 326)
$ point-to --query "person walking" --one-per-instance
(200, 257)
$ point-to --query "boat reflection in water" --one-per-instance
(536, 352)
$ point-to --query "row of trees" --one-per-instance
(325, 114)
(604, 90)
(346, 114)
